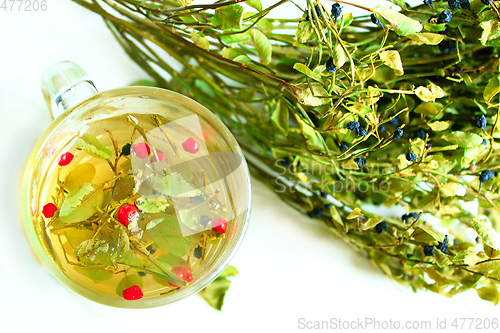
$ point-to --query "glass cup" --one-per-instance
(196, 160)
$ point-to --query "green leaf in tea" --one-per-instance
(92, 146)
(175, 185)
(81, 203)
(81, 174)
(151, 205)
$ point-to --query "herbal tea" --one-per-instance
(137, 205)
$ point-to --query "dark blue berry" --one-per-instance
(126, 149)
(330, 66)
(398, 133)
(487, 2)
(447, 46)
(205, 221)
(394, 121)
(328, 206)
(198, 252)
(420, 133)
(352, 125)
(381, 227)
(336, 11)
(382, 128)
(486, 175)
(480, 121)
(360, 161)
(374, 19)
(323, 194)
(453, 4)
(485, 142)
(141, 274)
(406, 218)
(150, 249)
(412, 157)
(444, 17)
(360, 131)
(414, 215)
(407, 5)
(315, 213)
(443, 246)
(285, 162)
(465, 4)
(428, 3)
(409, 255)
(318, 11)
(429, 250)
(343, 147)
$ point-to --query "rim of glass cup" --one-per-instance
(218, 265)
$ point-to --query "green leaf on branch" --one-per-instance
(492, 88)
(491, 32)
(199, 41)
(339, 56)
(280, 117)
(151, 205)
(486, 233)
(254, 4)
(463, 139)
(307, 71)
(305, 32)
(399, 23)
(489, 294)
(392, 59)
(307, 97)
(228, 17)
(262, 45)
(215, 292)
(428, 38)
(81, 174)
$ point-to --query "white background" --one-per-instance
(291, 266)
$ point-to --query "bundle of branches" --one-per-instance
(340, 114)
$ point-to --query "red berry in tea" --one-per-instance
(160, 157)
(126, 213)
(65, 159)
(182, 272)
(141, 149)
(221, 226)
(191, 145)
(49, 210)
(133, 293)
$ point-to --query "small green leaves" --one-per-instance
(254, 4)
(262, 45)
(228, 17)
(466, 257)
(463, 139)
(429, 93)
(215, 292)
(441, 259)
(174, 185)
(428, 38)
(396, 21)
(426, 235)
(81, 203)
(492, 88)
(489, 294)
(199, 41)
(305, 32)
(190, 219)
(280, 117)
(339, 56)
(486, 233)
(491, 32)
(392, 59)
(307, 71)
(151, 205)
(91, 145)
(307, 97)
(439, 126)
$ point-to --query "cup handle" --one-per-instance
(64, 86)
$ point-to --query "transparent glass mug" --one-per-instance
(186, 162)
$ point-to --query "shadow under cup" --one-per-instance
(220, 155)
